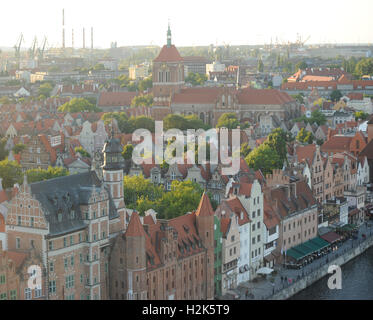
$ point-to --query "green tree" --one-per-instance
(361, 115)
(184, 197)
(136, 188)
(260, 65)
(228, 120)
(305, 136)
(277, 141)
(336, 95)
(3, 152)
(364, 67)
(78, 105)
(145, 84)
(144, 100)
(317, 117)
(11, 173)
(127, 152)
(301, 65)
(45, 89)
(245, 149)
(142, 122)
(264, 158)
(83, 152)
(196, 79)
(36, 175)
(18, 148)
(298, 97)
(175, 121)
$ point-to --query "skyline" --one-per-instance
(209, 20)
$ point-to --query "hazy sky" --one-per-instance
(193, 22)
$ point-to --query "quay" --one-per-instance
(275, 288)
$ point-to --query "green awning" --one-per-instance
(294, 254)
(320, 243)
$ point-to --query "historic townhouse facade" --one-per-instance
(70, 221)
(165, 259)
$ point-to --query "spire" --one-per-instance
(169, 35)
(204, 209)
(135, 228)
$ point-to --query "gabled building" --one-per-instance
(165, 259)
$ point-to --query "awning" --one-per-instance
(331, 237)
(321, 243)
(295, 254)
(264, 270)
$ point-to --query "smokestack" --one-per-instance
(63, 28)
(72, 39)
(83, 38)
(91, 38)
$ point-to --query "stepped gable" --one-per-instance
(62, 195)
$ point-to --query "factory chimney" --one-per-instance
(83, 38)
(63, 28)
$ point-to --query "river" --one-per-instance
(357, 282)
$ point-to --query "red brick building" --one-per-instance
(165, 259)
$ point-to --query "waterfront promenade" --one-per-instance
(270, 287)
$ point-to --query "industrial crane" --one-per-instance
(32, 50)
(42, 49)
(17, 48)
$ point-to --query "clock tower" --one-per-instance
(168, 73)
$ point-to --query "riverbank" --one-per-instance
(276, 288)
(323, 271)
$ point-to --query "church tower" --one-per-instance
(112, 171)
(168, 73)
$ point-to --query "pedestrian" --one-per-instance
(282, 279)
(247, 293)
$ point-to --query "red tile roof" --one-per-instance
(204, 208)
(117, 99)
(135, 228)
(168, 54)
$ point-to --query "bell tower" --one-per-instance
(168, 73)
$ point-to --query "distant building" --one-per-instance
(139, 71)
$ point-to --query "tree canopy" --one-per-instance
(36, 175)
(141, 194)
(143, 100)
(364, 67)
(196, 79)
(176, 121)
(18, 148)
(11, 173)
(127, 151)
(305, 136)
(228, 120)
(271, 154)
(129, 125)
(45, 89)
(78, 105)
(361, 115)
(336, 95)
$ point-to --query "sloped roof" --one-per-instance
(135, 228)
(204, 208)
(169, 54)
(117, 99)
